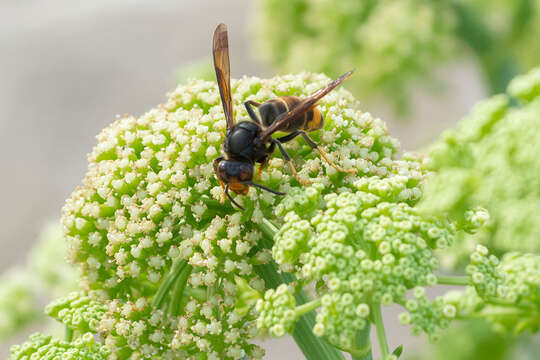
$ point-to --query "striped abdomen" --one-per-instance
(309, 121)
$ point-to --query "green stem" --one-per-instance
(363, 343)
(379, 326)
(494, 312)
(453, 280)
(311, 346)
(269, 230)
(167, 283)
(178, 291)
(68, 334)
(308, 307)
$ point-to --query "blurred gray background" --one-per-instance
(68, 67)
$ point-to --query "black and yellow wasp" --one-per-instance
(250, 142)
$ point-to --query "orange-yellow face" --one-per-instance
(237, 187)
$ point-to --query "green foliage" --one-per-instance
(18, 303)
(47, 261)
(389, 43)
(392, 43)
(45, 275)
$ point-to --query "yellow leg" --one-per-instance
(261, 168)
(216, 164)
(303, 182)
(223, 196)
(340, 169)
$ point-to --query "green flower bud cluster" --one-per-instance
(341, 316)
(46, 348)
(484, 275)
(77, 311)
(149, 233)
(388, 42)
(366, 244)
(475, 219)
(277, 311)
(491, 160)
(502, 292)
(427, 316)
(509, 288)
(467, 302)
(521, 277)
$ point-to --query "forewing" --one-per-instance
(303, 106)
(220, 52)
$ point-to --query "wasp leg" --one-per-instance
(216, 162)
(230, 197)
(252, 114)
(323, 154)
(262, 166)
(289, 161)
(265, 161)
(288, 137)
(263, 187)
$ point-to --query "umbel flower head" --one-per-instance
(491, 160)
(156, 246)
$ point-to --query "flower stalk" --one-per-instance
(379, 326)
(453, 280)
(68, 334)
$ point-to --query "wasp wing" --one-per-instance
(220, 51)
(302, 107)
